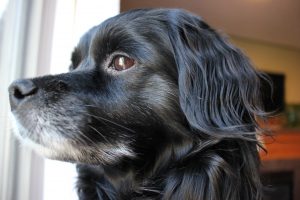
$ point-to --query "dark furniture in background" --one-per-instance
(280, 169)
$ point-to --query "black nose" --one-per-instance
(19, 91)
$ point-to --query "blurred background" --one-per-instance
(37, 36)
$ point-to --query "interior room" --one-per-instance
(267, 31)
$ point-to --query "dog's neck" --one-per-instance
(135, 177)
(150, 166)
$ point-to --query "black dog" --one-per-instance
(156, 105)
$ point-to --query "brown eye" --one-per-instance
(122, 63)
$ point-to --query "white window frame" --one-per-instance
(25, 45)
(26, 51)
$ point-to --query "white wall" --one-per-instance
(275, 58)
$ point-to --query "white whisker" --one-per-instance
(99, 133)
(112, 122)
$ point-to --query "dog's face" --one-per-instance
(137, 83)
(121, 88)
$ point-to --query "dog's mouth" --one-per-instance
(40, 116)
(59, 129)
(34, 130)
(53, 142)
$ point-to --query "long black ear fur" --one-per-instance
(220, 97)
(219, 89)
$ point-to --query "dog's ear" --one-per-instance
(219, 89)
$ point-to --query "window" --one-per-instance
(37, 37)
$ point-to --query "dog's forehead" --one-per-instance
(85, 40)
(134, 29)
(141, 34)
(125, 28)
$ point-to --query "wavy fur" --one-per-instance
(180, 124)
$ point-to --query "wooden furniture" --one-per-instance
(283, 157)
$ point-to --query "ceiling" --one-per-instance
(272, 21)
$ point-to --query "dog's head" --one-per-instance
(140, 83)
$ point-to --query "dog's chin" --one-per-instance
(60, 153)
(56, 147)
(57, 152)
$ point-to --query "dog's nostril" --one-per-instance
(18, 94)
(20, 90)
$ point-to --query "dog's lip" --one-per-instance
(23, 118)
(17, 126)
(24, 111)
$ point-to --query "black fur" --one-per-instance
(180, 124)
